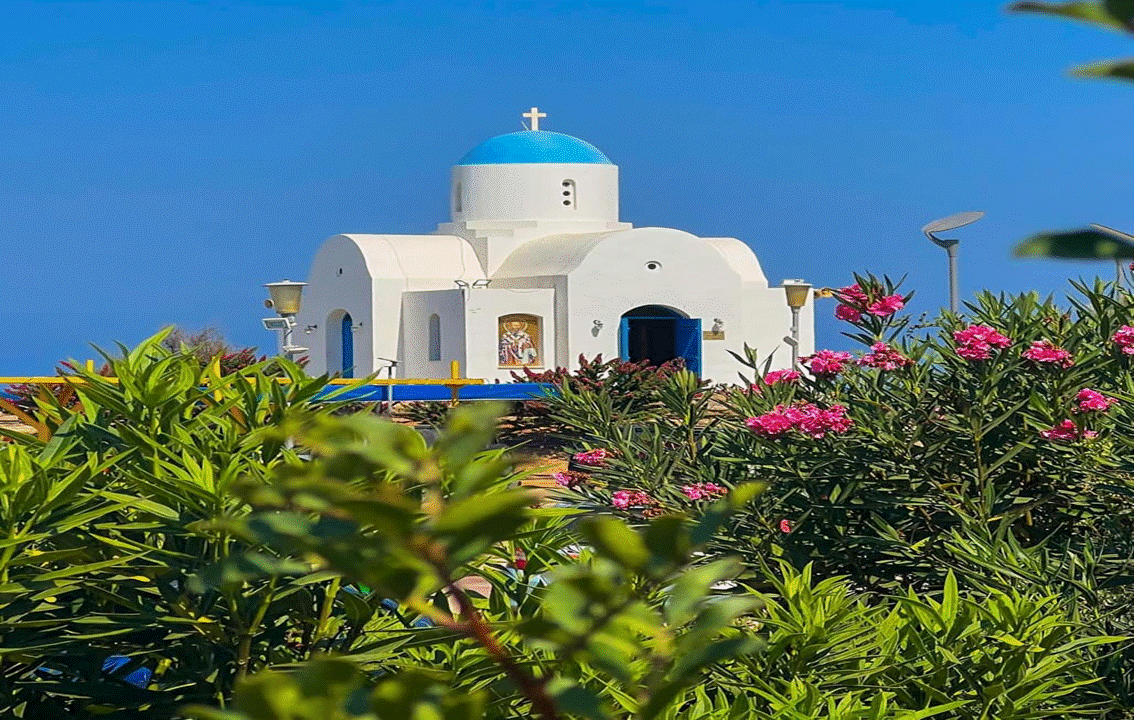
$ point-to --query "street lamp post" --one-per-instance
(950, 245)
(796, 292)
(286, 297)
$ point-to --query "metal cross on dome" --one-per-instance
(534, 115)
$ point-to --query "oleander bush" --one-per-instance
(611, 391)
(993, 448)
(932, 540)
(204, 346)
(107, 541)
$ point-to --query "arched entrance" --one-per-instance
(340, 343)
(348, 346)
(660, 334)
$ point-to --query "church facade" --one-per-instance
(534, 269)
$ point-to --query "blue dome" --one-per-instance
(534, 146)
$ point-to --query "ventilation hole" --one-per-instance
(566, 183)
(566, 193)
(653, 265)
(566, 202)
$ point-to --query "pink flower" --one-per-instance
(884, 357)
(1067, 430)
(807, 418)
(1093, 401)
(781, 376)
(785, 526)
(836, 419)
(623, 499)
(700, 491)
(976, 342)
(826, 363)
(848, 313)
(772, 424)
(568, 479)
(591, 458)
(1124, 338)
(1042, 351)
(852, 294)
(851, 302)
(888, 305)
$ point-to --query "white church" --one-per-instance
(534, 269)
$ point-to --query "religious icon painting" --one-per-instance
(520, 341)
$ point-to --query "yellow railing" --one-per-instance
(453, 383)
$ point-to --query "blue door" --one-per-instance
(687, 342)
(348, 347)
(659, 334)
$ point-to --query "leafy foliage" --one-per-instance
(950, 466)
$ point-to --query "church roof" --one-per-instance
(534, 146)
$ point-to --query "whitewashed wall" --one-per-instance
(483, 308)
(692, 277)
(328, 294)
(414, 360)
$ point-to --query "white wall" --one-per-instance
(483, 308)
(329, 293)
(691, 277)
(449, 305)
(367, 276)
(534, 191)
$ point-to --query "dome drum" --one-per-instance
(534, 192)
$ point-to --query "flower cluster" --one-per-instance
(781, 376)
(785, 526)
(1093, 401)
(569, 479)
(702, 491)
(808, 419)
(826, 363)
(591, 458)
(786, 377)
(976, 342)
(623, 499)
(1042, 351)
(1124, 338)
(1069, 431)
(884, 357)
(853, 301)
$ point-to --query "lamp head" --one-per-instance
(286, 296)
(796, 292)
(950, 223)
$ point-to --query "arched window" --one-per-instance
(520, 340)
(434, 337)
(569, 193)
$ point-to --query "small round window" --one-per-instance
(653, 265)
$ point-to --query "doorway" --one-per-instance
(348, 346)
(659, 334)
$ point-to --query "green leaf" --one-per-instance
(1116, 69)
(1084, 244)
(1117, 14)
(668, 540)
(693, 586)
(576, 700)
(613, 539)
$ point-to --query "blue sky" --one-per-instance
(161, 160)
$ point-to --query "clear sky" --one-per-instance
(159, 161)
